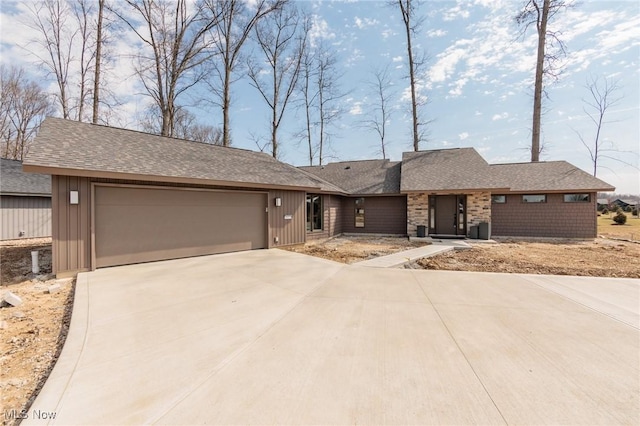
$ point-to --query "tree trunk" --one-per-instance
(537, 97)
(96, 76)
(414, 102)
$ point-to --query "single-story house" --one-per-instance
(25, 202)
(624, 204)
(122, 196)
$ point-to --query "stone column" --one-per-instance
(417, 212)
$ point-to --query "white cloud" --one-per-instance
(388, 33)
(500, 116)
(356, 108)
(463, 136)
(456, 12)
(320, 30)
(446, 64)
(436, 33)
(366, 22)
(458, 85)
(397, 58)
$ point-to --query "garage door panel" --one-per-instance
(139, 224)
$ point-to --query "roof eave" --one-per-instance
(559, 191)
(59, 171)
(453, 191)
(26, 194)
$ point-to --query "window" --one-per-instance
(314, 212)
(498, 199)
(576, 198)
(359, 213)
(538, 198)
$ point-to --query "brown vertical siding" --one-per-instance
(288, 231)
(553, 219)
(383, 215)
(25, 217)
(71, 225)
(331, 218)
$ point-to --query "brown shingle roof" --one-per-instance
(447, 169)
(16, 182)
(547, 176)
(76, 146)
(361, 177)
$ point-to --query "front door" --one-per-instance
(447, 214)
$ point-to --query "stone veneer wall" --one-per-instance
(417, 212)
(478, 209)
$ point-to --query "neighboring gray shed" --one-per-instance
(25, 202)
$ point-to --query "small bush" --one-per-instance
(628, 209)
(620, 218)
(605, 211)
(634, 212)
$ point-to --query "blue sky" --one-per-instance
(478, 80)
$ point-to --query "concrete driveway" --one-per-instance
(270, 336)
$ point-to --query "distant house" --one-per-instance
(25, 202)
(125, 197)
(624, 204)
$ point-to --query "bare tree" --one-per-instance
(307, 74)
(412, 23)
(98, 63)
(282, 39)
(175, 37)
(23, 106)
(82, 11)
(321, 94)
(229, 33)
(379, 112)
(550, 50)
(602, 97)
(57, 39)
(328, 97)
(186, 126)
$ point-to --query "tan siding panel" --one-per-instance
(287, 231)
(25, 217)
(70, 225)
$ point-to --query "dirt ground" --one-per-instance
(355, 249)
(599, 258)
(33, 333)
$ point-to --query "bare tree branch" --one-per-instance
(282, 39)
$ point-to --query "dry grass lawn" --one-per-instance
(629, 231)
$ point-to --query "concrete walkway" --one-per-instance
(401, 258)
(274, 337)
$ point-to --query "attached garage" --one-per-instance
(141, 224)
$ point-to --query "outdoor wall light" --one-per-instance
(278, 202)
(73, 197)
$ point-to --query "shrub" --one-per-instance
(628, 209)
(634, 212)
(605, 211)
(620, 218)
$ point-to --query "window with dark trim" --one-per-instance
(359, 213)
(498, 199)
(314, 212)
(534, 198)
(576, 198)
